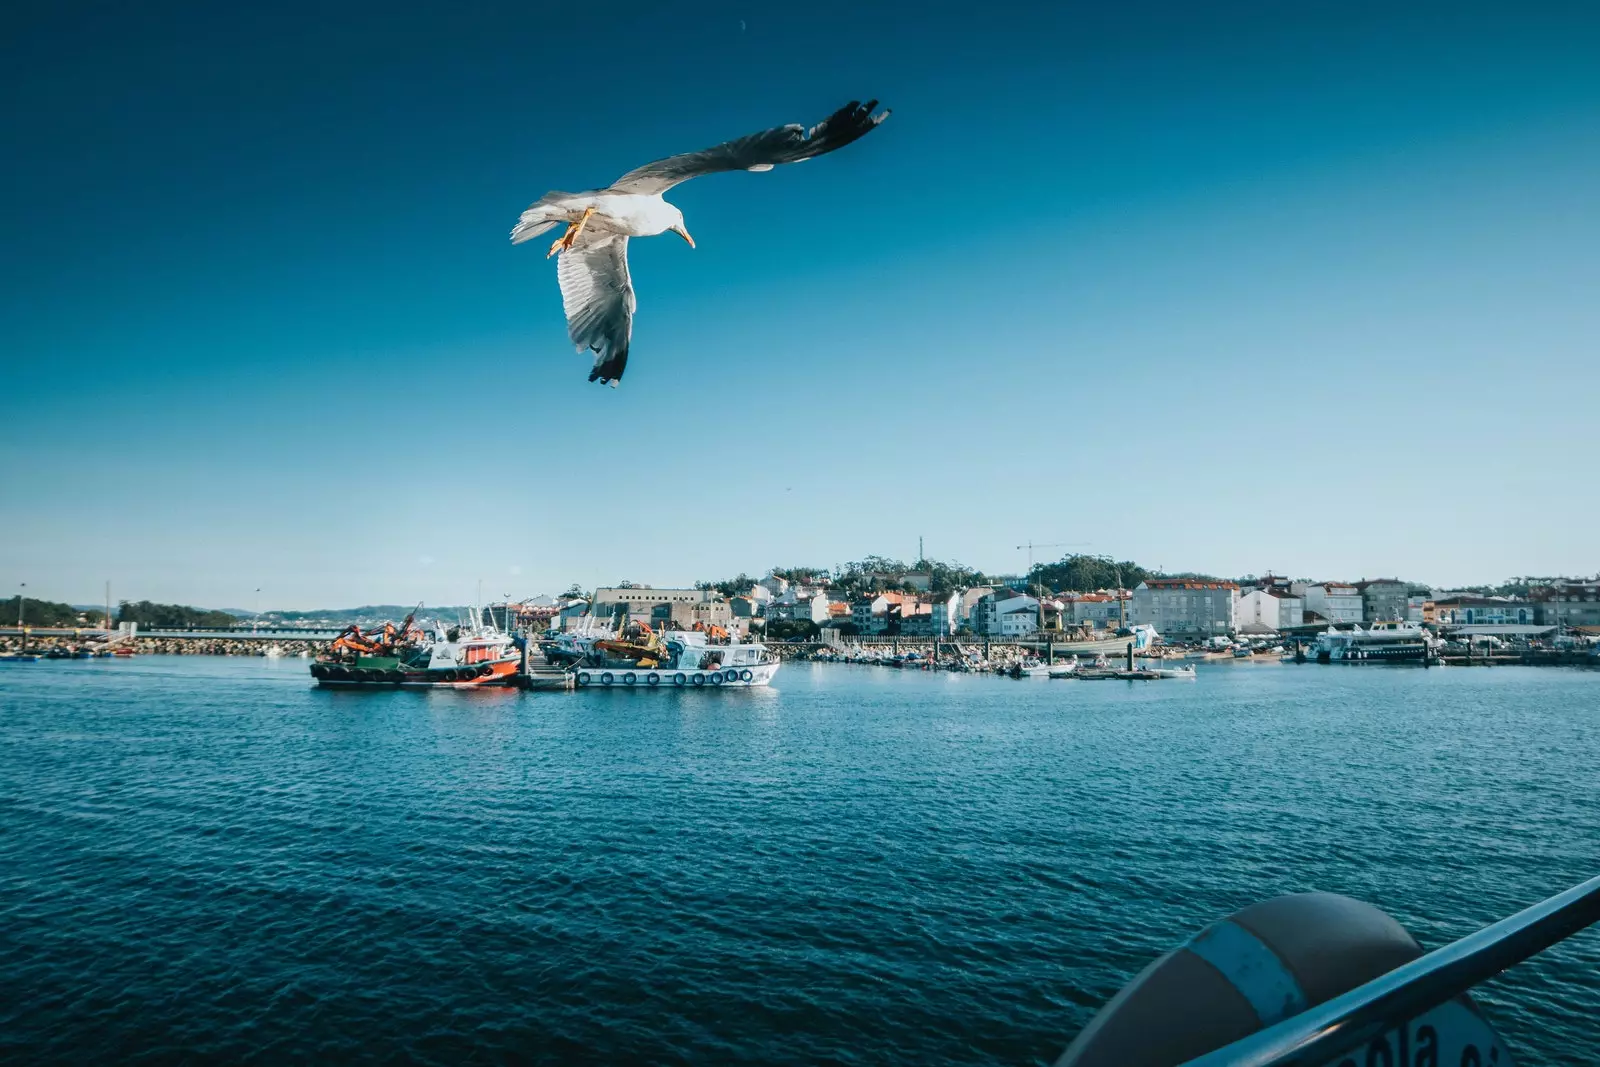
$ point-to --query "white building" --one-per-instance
(1019, 621)
(1268, 610)
(872, 614)
(945, 613)
(1338, 602)
(992, 615)
(774, 585)
(1186, 607)
(969, 600)
(811, 609)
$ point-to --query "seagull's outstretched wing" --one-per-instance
(758, 151)
(597, 295)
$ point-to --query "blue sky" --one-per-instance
(1299, 287)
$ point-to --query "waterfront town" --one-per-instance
(1180, 609)
(930, 601)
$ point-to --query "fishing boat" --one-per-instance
(676, 658)
(1064, 670)
(18, 657)
(465, 656)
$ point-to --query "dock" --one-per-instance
(538, 673)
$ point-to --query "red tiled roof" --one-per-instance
(1187, 583)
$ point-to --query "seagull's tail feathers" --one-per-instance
(609, 363)
(543, 214)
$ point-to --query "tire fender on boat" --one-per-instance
(629, 678)
(715, 677)
(679, 678)
(746, 675)
(605, 678)
(583, 677)
(699, 679)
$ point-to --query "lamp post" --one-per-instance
(21, 596)
(255, 620)
(508, 612)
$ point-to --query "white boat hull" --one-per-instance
(662, 678)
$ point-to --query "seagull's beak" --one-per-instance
(681, 232)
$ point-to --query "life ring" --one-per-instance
(605, 678)
(583, 677)
(746, 676)
(629, 678)
(653, 678)
(679, 678)
(699, 679)
(716, 677)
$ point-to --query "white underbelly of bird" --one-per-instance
(596, 290)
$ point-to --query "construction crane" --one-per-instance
(1030, 546)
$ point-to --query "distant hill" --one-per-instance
(170, 616)
(366, 613)
(49, 613)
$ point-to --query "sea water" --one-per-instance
(208, 859)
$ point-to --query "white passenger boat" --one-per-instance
(1382, 642)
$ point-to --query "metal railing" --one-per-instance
(1318, 1035)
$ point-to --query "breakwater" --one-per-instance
(170, 646)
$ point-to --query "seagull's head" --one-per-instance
(678, 228)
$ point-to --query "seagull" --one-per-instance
(596, 292)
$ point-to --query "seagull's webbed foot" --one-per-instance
(565, 241)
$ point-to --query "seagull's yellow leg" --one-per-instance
(564, 242)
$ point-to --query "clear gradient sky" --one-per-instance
(1303, 287)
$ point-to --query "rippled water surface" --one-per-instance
(208, 859)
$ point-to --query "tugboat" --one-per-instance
(411, 657)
